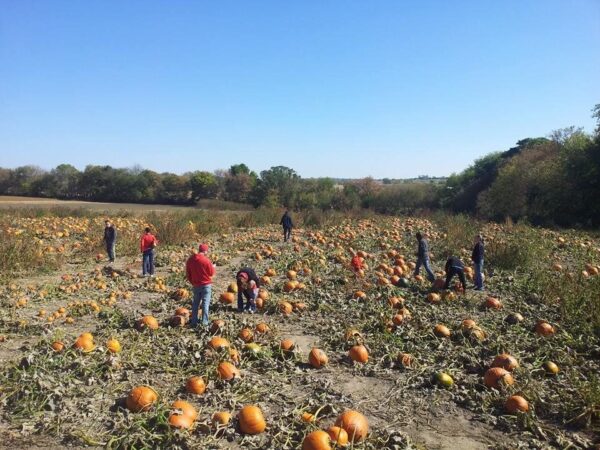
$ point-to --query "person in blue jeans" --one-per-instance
(200, 270)
(147, 244)
(423, 257)
(477, 258)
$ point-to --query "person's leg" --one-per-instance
(284, 234)
(206, 294)
(112, 252)
(479, 275)
(418, 266)
(247, 305)
(289, 233)
(449, 276)
(240, 300)
(151, 262)
(144, 263)
(195, 305)
(461, 277)
(252, 301)
(430, 274)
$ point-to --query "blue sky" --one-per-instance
(329, 88)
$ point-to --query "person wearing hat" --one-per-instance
(423, 257)
(247, 284)
(200, 270)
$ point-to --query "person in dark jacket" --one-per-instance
(247, 284)
(110, 239)
(477, 258)
(286, 223)
(423, 257)
(455, 266)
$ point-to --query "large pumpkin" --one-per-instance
(141, 398)
(251, 420)
(355, 424)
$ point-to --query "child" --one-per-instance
(247, 284)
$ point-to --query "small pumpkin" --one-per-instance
(262, 328)
(441, 331)
(227, 371)
(221, 419)
(317, 358)
(195, 385)
(246, 335)
(113, 346)
(543, 328)
(505, 361)
(217, 343)
(183, 414)
(147, 322)
(338, 436)
(515, 404)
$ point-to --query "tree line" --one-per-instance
(545, 180)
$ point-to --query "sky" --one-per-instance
(344, 89)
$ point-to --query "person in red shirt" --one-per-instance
(200, 270)
(147, 244)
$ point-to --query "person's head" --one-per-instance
(203, 248)
(478, 238)
(419, 236)
(107, 222)
(147, 230)
(243, 278)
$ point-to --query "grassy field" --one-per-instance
(421, 387)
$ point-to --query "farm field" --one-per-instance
(428, 369)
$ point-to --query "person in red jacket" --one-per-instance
(147, 244)
(200, 271)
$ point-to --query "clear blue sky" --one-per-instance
(329, 88)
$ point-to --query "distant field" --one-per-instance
(10, 202)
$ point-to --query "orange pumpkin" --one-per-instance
(58, 346)
(218, 342)
(496, 377)
(148, 322)
(195, 385)
(515, 404)
(441, 331)
(227, 371)
(216, 326)
(338, 436)
(492, 303)
(317, 440)
(183, 415)
(113, 346)
(287, 345)
(505, 361)
(262, 328)
(141, 398)
(285, 308)
(317, 358)
(221, 419)
(359, 353)
(355, 424)
(543, 328)
(227, 298)
(251, 420)
(246, 335)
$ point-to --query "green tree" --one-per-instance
(203, 185)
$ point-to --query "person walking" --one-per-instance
(454, 266)
(247, 284)
(477, 258)
(110, 239)
(423, 257)
(286, 222)
(200, 270)
(147, 244)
